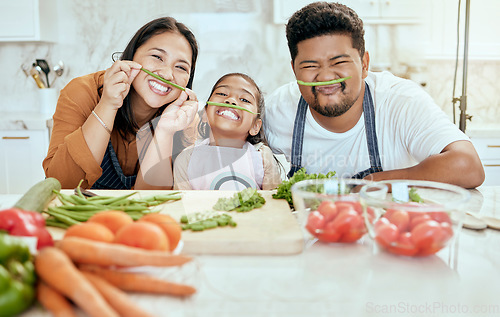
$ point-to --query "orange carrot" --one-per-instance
(107, 254)
(118, 299)
(137, 282)
(54, 302)
(56, 269)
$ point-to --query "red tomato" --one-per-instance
(440, 216)
(352, 236)
(401, 219)
(347, 220)
(404, 245)
(418, 219)
(356, 205)
(386, 233)
(425, 237)
(328, 234)
(344, 206)
(328, 209)
(315, 222)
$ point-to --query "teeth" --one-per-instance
(157, 86)
(228, 113)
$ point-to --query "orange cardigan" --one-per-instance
(69, 158)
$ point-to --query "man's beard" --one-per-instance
(332, 110)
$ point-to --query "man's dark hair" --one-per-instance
(324, 18)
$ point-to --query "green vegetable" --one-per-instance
(244, 200)
(163, 79)
(414, 196)
(39, 195)
(17, 276)
(210, 103)
(322, 83)
(206, 220)
(79, 208)
(284, 189)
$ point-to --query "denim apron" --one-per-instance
(371, 136)
(112, 174)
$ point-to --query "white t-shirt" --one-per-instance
(409, 126)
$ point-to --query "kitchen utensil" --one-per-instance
(59, 68)
(45, 69)
(414, 228)
(36, 76)
(26, 69)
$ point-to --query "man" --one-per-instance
(371, 125)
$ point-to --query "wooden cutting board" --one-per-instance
(269, 230)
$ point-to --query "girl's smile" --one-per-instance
(228, 113)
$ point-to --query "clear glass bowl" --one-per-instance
(329, 209)
(413, 218)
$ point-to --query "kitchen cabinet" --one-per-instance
(28, 21)
(488, 149)
(441, 29)
(371, 11)
(21, 156)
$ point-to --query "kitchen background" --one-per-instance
(416, 39)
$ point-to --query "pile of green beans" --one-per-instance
(208, 220)
(78, 208)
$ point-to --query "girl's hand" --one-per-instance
(180, 113)
(117, 81)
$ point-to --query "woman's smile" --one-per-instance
(159, 88)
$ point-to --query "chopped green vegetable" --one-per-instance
(211, 103)
(322, 83)
(206, 220)
(163, 79)
(414, 196)
(244, 200)
(284, 189)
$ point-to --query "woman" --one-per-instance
(98, 115)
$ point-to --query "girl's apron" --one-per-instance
(371, 136)
(225, 168)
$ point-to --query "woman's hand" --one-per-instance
(180, 113)
(117, 81)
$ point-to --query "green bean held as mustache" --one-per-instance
(323, 83)
(211, 103)
(163, 79)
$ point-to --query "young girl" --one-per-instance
(233, 154)
(98, 115)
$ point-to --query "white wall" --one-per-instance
(240, 35)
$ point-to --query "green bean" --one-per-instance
(197, 227)
(209, 224)
(78, 215)
(115, 199)
(163, 79)
(65, 199)
(83, 207)
(211, 103)
(78, 190)
(55, 223)
(184, 219)
(63, 218)
(79, 200)
(322, 83)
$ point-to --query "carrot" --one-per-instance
(54, 302)
(88, 251)
(144, 235)
(56, 269)
(90, 230)
(113, 219)
(137, 282)
(118, 299)
(168, 224)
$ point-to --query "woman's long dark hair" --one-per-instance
(204, 127)
(124, 121)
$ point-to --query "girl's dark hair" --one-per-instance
(204, 127)
(324, 18)
(124, 120)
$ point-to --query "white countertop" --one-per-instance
(483, 131)
(344, 279)
(24, 121)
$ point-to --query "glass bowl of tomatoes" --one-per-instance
(413, 218)
(329, 209)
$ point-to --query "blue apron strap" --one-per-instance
(371, 136)
(112, 176)
(298, 137)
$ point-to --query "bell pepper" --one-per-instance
(18, 222)
(17, 276)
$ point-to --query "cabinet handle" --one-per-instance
(15, 137)
(494, 146)
(492, 165)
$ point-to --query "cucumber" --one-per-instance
(39, 195)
